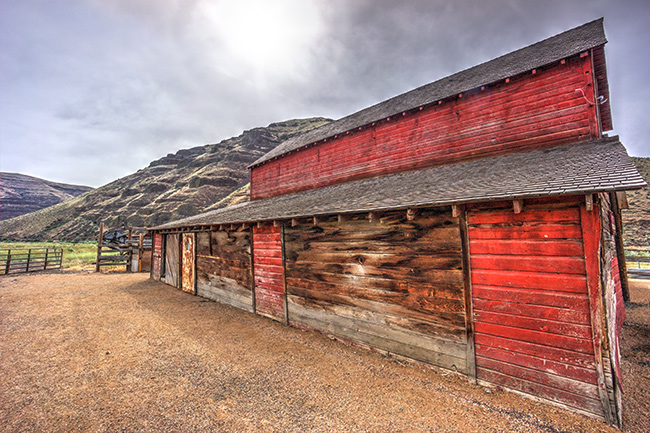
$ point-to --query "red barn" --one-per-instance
(472, 224)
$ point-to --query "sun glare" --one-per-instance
(269, 36)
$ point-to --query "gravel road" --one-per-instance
(85, 352)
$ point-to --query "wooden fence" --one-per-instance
(638, 265)
(131, 250)
(14, 261)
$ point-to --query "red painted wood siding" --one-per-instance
(531, 111)
(268, 272)
(531, 306)
(156, 265)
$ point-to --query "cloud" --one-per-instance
(93, 90)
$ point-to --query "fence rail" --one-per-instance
(638, 265)
(14, 261)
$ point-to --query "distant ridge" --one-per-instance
(175, 186)
(21, 194)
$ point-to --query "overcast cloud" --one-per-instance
(94, 90)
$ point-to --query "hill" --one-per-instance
(636, 219)
(21, 194)
(175, 186)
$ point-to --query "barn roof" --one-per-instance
(543, 53)
(580, 168)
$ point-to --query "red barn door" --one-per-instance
(268, 272)
(531, 304)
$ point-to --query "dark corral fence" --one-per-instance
(14, 261)
(638, 263)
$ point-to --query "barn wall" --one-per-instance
(532, 306)
(223, 267)
(269, 272)
(531, 111)
(614, 307)
(395, 285)
(156, 256)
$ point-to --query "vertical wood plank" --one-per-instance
(620, 252)
(467, 294)
(284, 276)
(252, 242)
(591, 233)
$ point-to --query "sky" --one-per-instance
(93, 90)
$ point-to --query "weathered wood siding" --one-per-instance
(156, 259)
(395, 285)
(269, 272)
(223, 267)
(187, 263)
(614, 307)
(531, 303)
(530, 111)
(172, 264)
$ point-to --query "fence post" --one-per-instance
(47, 251)
(29, 257)
(8, 265)
(100, 239)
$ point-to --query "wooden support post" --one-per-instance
(284, 277)
(316, 220)
(8, 264)
(518, 205)
(467, 294)
(589, 202)
(591, 232)
(252, 257)
(294, 222)
(100, 241)
(455, 211)
(47, 251)
(29, 257)
(620, 252)
(277, 223)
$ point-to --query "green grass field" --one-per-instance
(75, 255)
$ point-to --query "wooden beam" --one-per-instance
(294, 222)
(277, 223)
(621, 197)
(467, 296)
(455, 210)
(344, 217)
(284, 277)
(518, 205)
(591, 232)
(412, 213)
(374, 216)
(620, 252)
(589, 202)
(316, 220)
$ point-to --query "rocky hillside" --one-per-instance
(21, 194)
(176, 186)
(636, 219)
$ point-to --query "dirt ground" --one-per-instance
(84, 352)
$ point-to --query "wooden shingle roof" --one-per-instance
(580, 168)
(543, 53)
